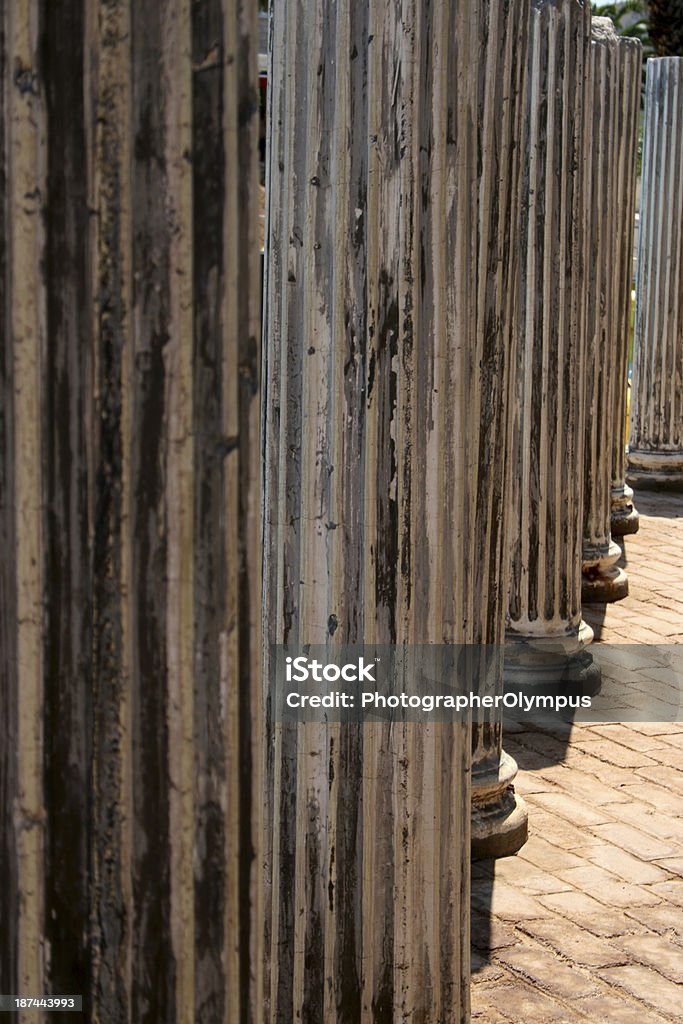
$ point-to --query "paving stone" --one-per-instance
(524, 1004)
(650, 819)
(547, 970)
(532, 782)
(590, 789)
(614, 753)
(627, 867)
(546, 855)
(661, 798)
(657, 952)
(572, 904)
(663, 776)
(646, 985)
(607, 1007)
(608, 774)
(605, 925)
(607, 888)
(671, 891)
(561, 832)
(507, 902)
(484, 1013)
(669, 756)
(664, 918)
(574, 942)
(657, 728)
(488, 933)
(530, 879)
(484, 971)
(632, 739)
(674, 865)
(634, 841)
(575, 811)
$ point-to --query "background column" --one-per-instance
(546, 634)
(603, 580)
(655, 456)
(629, 56)
(499, 816)
(384, 480)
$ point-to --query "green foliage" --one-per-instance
(666, 27)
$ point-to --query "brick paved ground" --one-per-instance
(586, 922)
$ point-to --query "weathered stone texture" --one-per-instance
(499, 821)
(656, 427)
(129, 678)
(385, 386)
(603, 580)
(629, 57)
(548, 400)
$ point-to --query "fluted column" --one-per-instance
(655, 456)
(624, 518)
(546, 634)
(384, 446)
(499, 816)
(603, 579)
(130, 754)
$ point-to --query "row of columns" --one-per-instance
(444, 309)
(443, 396)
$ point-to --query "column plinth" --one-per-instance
(499, 815)
(625, 518)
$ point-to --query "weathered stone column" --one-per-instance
(655, 455)
(629, 56)
(603, 580)
(383, 519)
(546, 635)
(499, 816)
(130, 746)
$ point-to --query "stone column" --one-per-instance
(499, 816)
(629, 57)
(130, 576)
(546, 635)
(383, 523)
(655, 455)
(603, 580)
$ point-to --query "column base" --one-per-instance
(624, 521)
(624, 518)
(499, 817)
(533, 662)
(604, 587)
(655, 470)
(602, 580)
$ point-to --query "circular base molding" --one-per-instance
(538, 661)
(499, 817)
(604, 587)
(656, 470)
(624, 521)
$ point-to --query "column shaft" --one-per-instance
(603, 580)
(545, 628)
(384, 480)
(129, 497)
(629, 57)
(499, 817)
(655, 455)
